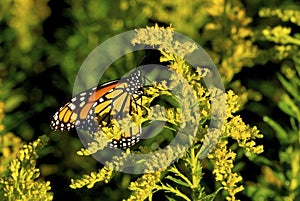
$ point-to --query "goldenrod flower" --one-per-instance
(22, 181)
(144, 186)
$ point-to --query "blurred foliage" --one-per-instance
(22, 49)
(255, 45)
(187, 17)
(281, 180)
(89, 26)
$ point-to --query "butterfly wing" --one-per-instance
(114, 99)
(76, 111)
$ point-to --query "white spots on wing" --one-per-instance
(83, 93)
(82, 104)
(82, 98)
(72, 106)
(101, 100)
(124, 142)
(55, 117)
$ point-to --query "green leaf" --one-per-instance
(14, 101)
(294, 124)
(285, 107)
(178, 181)
(281, 134)
(289, 87)
(286, 155)
(297, 64)
(212, 196)
(256, 193)
(175, 191)
(261, 160)
(290, 107)
(170, 199)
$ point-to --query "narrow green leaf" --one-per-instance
(261, 160)
(178, 181)
(175, 191)
(294, 124)
(170, 199)
(297, 64)
(289, 87)
(286, 109)
(281, 134)
(14, 101)
(212, 196)
(289, 106)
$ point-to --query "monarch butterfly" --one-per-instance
(114, 99)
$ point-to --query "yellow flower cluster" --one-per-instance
(10, 144)
(104, 174)
(161, 160)
(223, 165)
(278, 34)
(244, 135)
(286, 43)
(238, 130)
(98, 143)
(216, 105)
(210, 140)
(101, 138)
(163, 39)
(158, 36)
(21, 182)
(233, 49)
(232, 104)
(144, 186)
(286, 15)
(223, 158)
